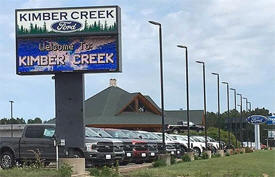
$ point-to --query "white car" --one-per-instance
(181, 146)
(198, 147)
(214, 145)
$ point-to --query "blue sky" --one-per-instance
(234, 38)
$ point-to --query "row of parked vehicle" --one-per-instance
(103, 146)
(142, 146)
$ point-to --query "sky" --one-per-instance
(234, 38)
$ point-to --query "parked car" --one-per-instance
(117, 146)
(182, 127)
(172, 147)
(197, 146)
(152, 144)
(128, 145)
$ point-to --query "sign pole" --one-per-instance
(257, 137)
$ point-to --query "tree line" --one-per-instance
(20, 121)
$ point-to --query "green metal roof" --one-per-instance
(103, 108)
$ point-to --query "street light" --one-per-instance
(187, 94)
(250, 115)
(11, 118)
(241, 121)
(218, 90)
(246, 110)
(229, 122)
(235, 107)
(161, 84)
(204, 95)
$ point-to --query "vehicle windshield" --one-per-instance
(211, 139)
(130, 134)
(149, 136)
(91, 133)
(159, 136)
(117, 134)
(169, 137)
(198, 139)
(180, 138)
(140, 135)
(102, 133)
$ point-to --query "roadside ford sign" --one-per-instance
(77, 39)
(256, 119)
(270, 120)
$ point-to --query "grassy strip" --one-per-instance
(243, 165)
(31, 172)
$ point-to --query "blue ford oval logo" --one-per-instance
(66, 26)
(256, 119)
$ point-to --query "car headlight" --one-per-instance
(91, 146)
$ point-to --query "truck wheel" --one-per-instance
(197, 151)
(77, 154)
(175, 131)
(6, 160)
(199, 130)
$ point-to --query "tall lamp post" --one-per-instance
(204, 96)
(161, 84)
(235, 107)
(229, 122)
(241, 120)
(219, 124)
(187, 94)
(11, 118)
(250, 115)
(246, 110)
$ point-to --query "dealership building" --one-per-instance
(114, 107)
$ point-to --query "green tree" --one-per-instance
(37, 120)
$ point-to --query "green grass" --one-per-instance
(31, 172)
(242, 165)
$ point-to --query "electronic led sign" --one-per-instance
(50, 41)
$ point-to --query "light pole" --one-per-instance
(161, 84)
(11, 118)
(235, 107)
(187, 94)
(204, 96)
(218, 90)
(229, 122)
(250, 115)
(246, 110)
(241, 120)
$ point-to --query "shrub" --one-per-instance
(38, 161)
(94, 172)
(173, 160)
(248, 150)
(197, 157)
(216, 155)
(65, 170)
(227, 154)
(185, 158)
(159, 163)
(106, 171)
(205, 156)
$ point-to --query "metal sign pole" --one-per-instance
(257, 137)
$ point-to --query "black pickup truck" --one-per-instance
(39, 138)
(182, 127)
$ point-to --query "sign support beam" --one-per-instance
(69, 103)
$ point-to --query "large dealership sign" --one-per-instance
(50, 41)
